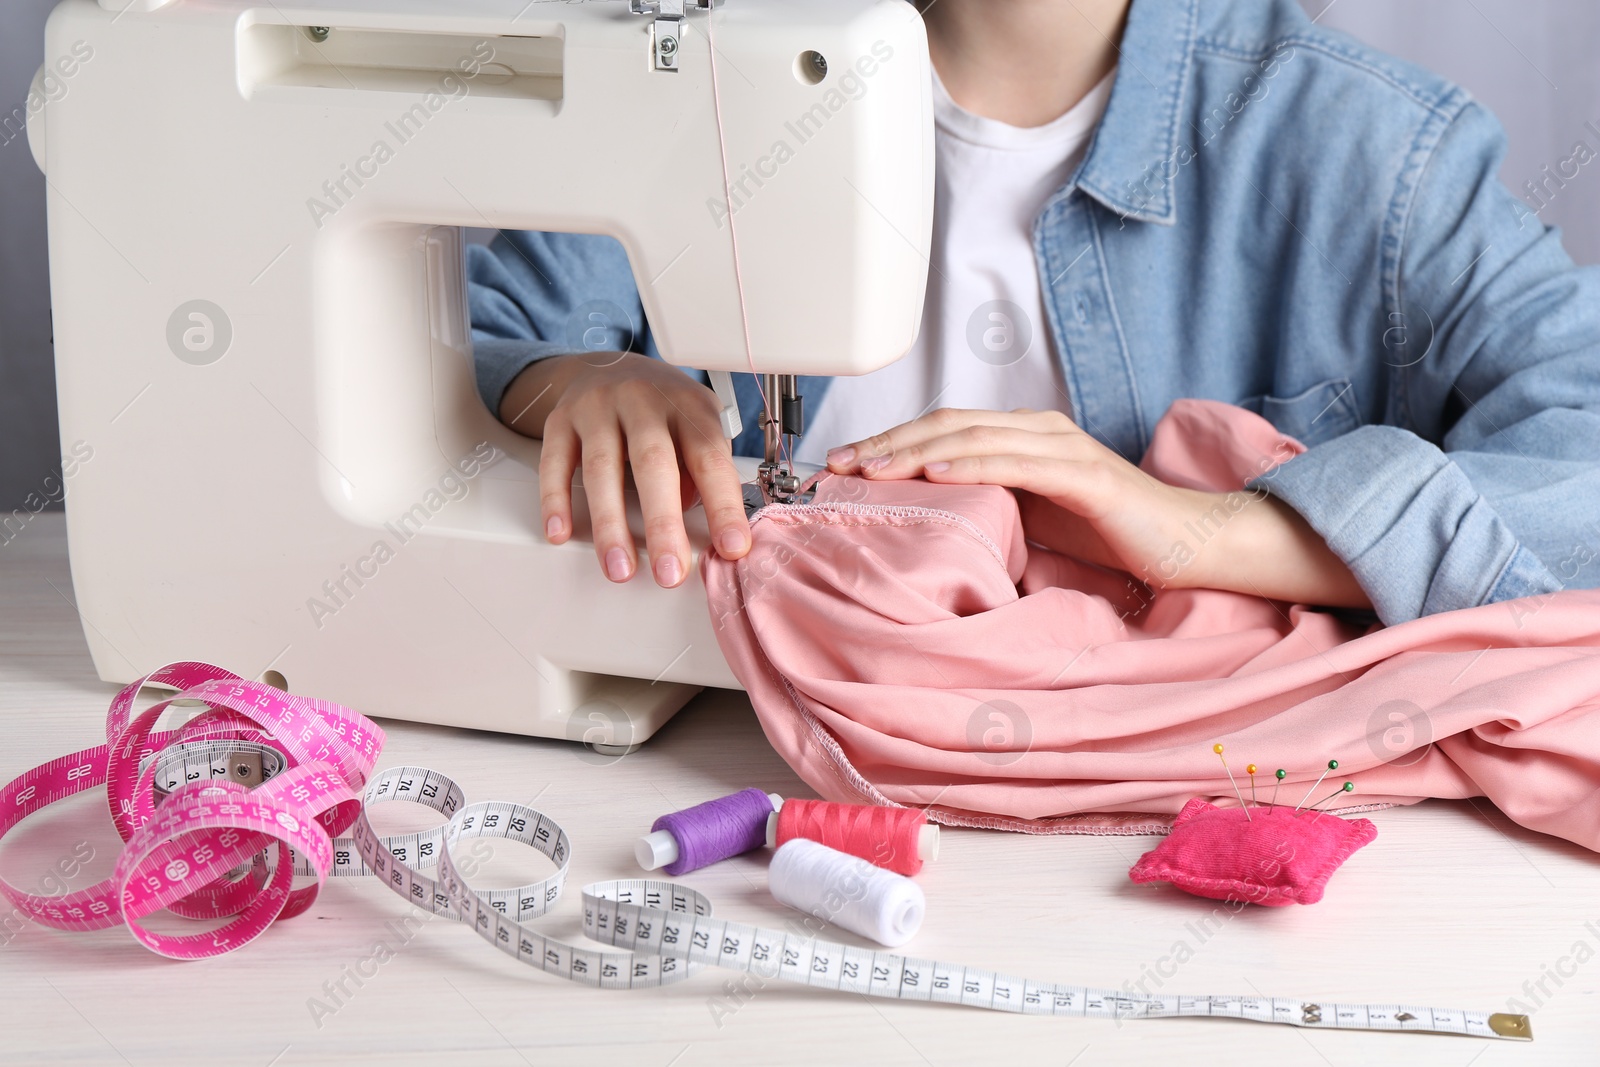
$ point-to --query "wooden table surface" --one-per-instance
(1451, 906)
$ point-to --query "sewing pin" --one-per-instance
(1280, 774)
(1333, 765)
(1218, 750)
(1348, 787)
(1250, 769)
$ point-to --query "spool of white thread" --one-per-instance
(847, 891)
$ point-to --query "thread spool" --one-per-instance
(684, 841)
(847, 891)
(896, 839)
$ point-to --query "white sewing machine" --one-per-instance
(262, 354)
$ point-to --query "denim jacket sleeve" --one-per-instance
(533, 294)
(1485, 486)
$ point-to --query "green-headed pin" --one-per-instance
(1348, 787)
(1333, 765)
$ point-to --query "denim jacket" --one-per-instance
(1271, 215)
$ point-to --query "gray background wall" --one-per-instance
(1535, 63)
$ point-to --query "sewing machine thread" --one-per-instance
(684, 841)
(896, 839)
(847, 891)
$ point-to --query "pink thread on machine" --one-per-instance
(896, 839)
(177, 855)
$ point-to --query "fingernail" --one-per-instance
(730, 542)
(668, 570)
(553, 527)
(617, 565)
(876, 463)
(935, 468)
(841, 455)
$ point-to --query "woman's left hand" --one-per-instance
(1081, 498)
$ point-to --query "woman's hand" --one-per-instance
(1081, 498)
(604, 410)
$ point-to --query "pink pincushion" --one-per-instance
(1275, 857)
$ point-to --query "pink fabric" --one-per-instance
(1275, 857)
(903, 644)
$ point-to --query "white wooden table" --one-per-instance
(1451, 906)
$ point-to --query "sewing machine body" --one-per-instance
(261, 339)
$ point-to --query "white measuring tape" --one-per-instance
(668, 932)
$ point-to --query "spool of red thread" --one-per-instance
(896, 839)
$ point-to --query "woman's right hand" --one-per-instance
(605, 409)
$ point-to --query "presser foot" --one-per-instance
(795, 487)
(780, 484)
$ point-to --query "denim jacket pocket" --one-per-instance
(1311, 416)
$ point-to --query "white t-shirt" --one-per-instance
(985, 339)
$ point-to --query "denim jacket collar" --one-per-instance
(1139, 133)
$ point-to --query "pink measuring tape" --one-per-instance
(179, 856)
(213, 847)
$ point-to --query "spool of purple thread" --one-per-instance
(684, 841)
